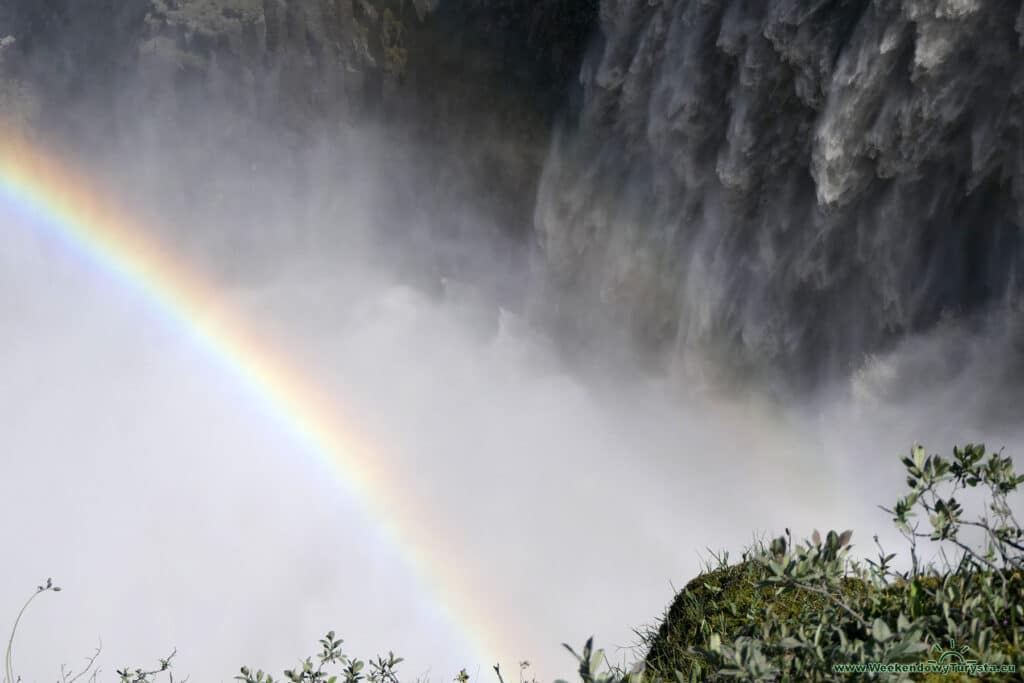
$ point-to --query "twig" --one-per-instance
(8, 668)
(88, 666)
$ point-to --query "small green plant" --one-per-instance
(143, 676)
(315, 669)
(45, 587)
(90, 671)
(594, 668)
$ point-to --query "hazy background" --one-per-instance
(175, 512)
(571, 490)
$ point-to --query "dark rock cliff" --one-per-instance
(472, 88)
(789, 185)
(771, 188)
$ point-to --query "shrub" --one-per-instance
(795, 611)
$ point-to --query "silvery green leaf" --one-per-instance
(880, 630)
(902, 623)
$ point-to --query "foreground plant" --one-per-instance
(143, 676)
(45, 587)
(807, 612)
(90, 671)
(315, 669)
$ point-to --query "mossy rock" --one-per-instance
(729, 601)
(725, 601)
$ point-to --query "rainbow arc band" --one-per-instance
(57, 197)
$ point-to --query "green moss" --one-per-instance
(731, 601)
(727, 601)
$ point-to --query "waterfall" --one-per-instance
(785, 188)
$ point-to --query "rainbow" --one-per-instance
(60, 198)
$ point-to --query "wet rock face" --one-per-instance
(55, 39)
(789, 185)
(777, 186)
(497, 66)
(19, 104)
(269, 59)
(292, 64)
(465, 93)
(485, 81)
